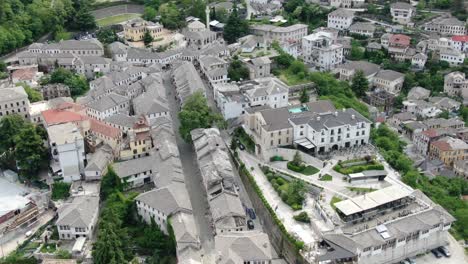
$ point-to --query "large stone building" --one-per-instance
(78, 218)
(446, 26)
(449, 150)
(316, 127)
(14, 100)
(455, 84)
(235, 100)
(322, 50)
(281, 34)
(385, 226)
(340, 19)
(135, 30)
(402, 12)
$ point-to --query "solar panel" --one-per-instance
(385, 235)
(381, 228)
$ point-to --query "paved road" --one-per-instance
(9, 246)
(192, 175)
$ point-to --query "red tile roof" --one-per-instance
(55, 116)
(431, 133)
(103, 129)
(463, 38)
(24, 74)
(400, 39)
(442, 145)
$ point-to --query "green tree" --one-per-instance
(198, 9)
(360, 84)
(106, 35)
(110, 183)
(77, 83)
(33, 95)
(196, 114)
(84, 20)
(237, 70)
(357, 51)
(235, 27)
(297, 159)
(30, 152)
(304, 98)
(108, 248)
(171, 17)
(10, 126)
(296, 192)
(147, 39)
(149, 13)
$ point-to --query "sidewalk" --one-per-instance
(283, 211)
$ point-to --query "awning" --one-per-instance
(305, 142)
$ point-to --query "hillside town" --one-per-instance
(234, 132)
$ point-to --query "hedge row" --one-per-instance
(359, 168)
(295, 168)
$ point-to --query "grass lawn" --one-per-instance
(48, 248)
(361, 190)
(326, 177)
(334, 200)
(291, 79)
(116, 19)
(310, 170)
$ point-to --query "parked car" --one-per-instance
(29, 233)
(436, 253)
(445, 251)
(411, 261)
(251, 213)
(241, 146)
(404, 262)
(250, 224)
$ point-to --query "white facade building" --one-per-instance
(456, 84)
(340, 19)
(78, 218)
(322, 50)
(67, 148)
(401, 12)
(452, 56)
(14, 100)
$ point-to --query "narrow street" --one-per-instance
(192, 175)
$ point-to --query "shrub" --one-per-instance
(276, 158)
(60, 190)
(302, 217)
(295, 167)
(296, 207)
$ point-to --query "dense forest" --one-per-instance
(24, 21)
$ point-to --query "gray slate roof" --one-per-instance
(78, 213)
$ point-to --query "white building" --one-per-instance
(108, 105)
(340, 19)
(452, 56)
(322, 50)
(389, 232)
(390, 81)
(67, 148)
(317, 127)
(446, 26)
(362, 28)
(272, 33)
(460, 43)
(14, 100)
(74, 47)
(135, 172)
(401, 12)
(234, 99)
(78, 218)
(455, 84)
(419, 60)
(214, 69)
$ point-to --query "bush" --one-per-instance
(294, 167)
(63, 254)
(302, 217)
(60, 190)
(296, 207)
(277, 158)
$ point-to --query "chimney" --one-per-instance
(336, 113)
(344, 110)
(353, 117)
(318, 118)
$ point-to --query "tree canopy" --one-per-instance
(25, 144)
(359, 84)
(77, 83)
(235, 27)
(237, 70)
(196, 114)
